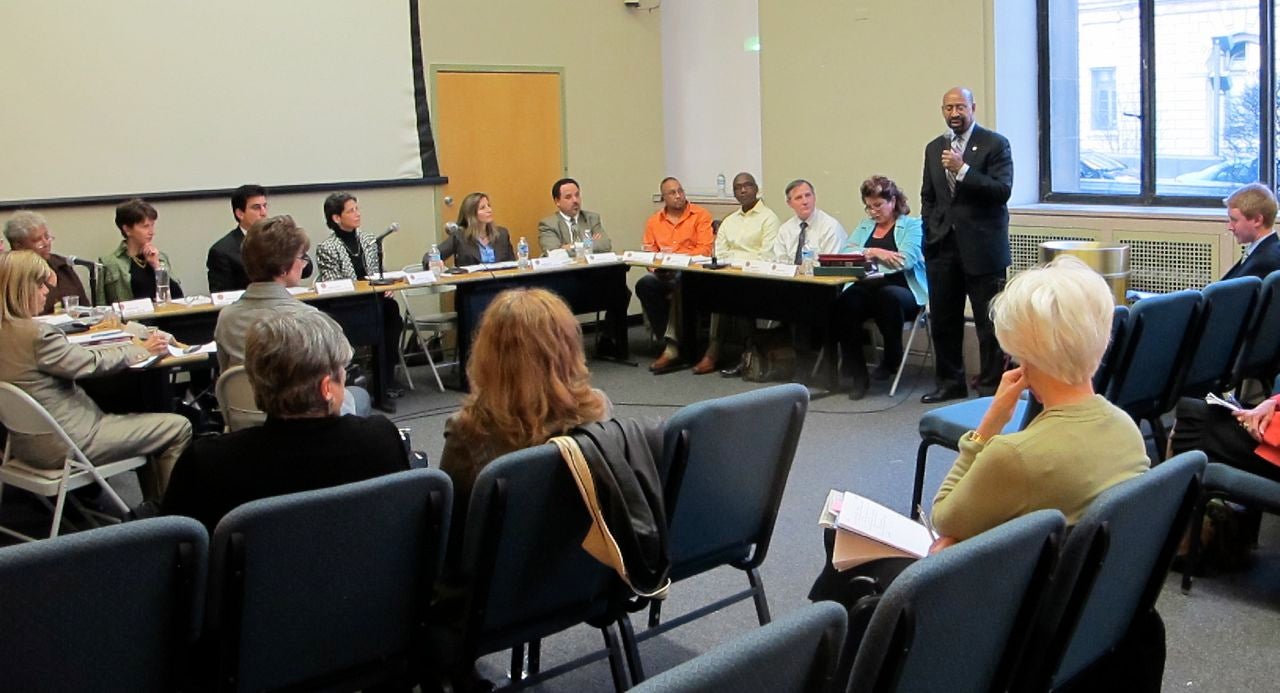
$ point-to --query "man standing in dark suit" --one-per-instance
(1251, 213)
(226, 268)
(968, 173)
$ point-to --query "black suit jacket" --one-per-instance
(216, 475)
(1264, 260)
(978, 214)
(226, 266)
(465, 252)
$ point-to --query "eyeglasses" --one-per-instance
(874, 206)
(46, 241)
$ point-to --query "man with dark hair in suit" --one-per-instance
(1251, 213)
(226, 268)
(968, 174)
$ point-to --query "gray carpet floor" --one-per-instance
(1224, 636)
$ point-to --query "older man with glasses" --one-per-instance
(30, 231)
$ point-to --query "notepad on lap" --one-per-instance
(866, 530)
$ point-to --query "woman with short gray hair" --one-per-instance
(296, 364)
(27, 230)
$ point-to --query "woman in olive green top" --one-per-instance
(1055, 321)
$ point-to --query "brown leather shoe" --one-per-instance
(663, 362)
(705, 366)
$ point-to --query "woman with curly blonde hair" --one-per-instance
(529, 383)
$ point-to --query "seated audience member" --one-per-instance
(349, 253)
(529, 383)
(274, 258)
(296, 363)
(130, 272)
(893, 240)
(679, 227)
(809, 224)
(476, 240)
(30, 231)
(571, 222)
(1251, 214)
(38, 359)
(1056, 322)
(224, 263)
(1226, 436)
(746, 234)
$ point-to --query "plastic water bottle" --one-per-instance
(721, 185)
(522, 254)
(588, 245)
(434, 263)
(807, 258)
(162, 284)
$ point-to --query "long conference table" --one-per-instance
(587, 288)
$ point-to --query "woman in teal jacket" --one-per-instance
(891, 297)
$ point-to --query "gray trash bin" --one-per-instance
(1110, 261)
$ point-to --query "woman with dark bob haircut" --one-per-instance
(893, 240)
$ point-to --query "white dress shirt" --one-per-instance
(824, 233)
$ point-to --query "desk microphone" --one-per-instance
(714, 264)
(382, 280)
(452, 227)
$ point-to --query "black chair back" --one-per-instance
(330, 586)
(1158, 340)
(1260, 354)
(795, 654)
(957, 621)
(1224, 321)
(117, 608)
(1112, 569)
(1119, 322)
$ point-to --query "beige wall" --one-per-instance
(854, 88)
(613, 85)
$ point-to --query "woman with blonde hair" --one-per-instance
(476, 239)
(529, 383)
(38, 359)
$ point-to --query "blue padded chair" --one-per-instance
(795, 654)
(1224, 320)
(1160, 338)
(527, 572)
(1111, 571)
(116, 608)
(1230, 483)
(329, 587)
(957, 621)
(1260, 355)
(944, 426)
(725, 466)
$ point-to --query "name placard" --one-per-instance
(540, 263)
(601, 258)
(337, 286)
(559, 255)
(676, 260)
(138, 306)
(226, 298)
(420, 278)
(642, 256)
(776, 269)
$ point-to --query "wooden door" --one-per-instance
(501, 133)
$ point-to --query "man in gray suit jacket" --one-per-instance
(562, 229)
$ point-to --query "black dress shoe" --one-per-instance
(605, 348)
(944, 394)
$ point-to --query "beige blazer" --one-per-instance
(39, 360)
(553, 232)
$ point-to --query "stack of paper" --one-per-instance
(866, 530)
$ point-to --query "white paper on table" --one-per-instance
(559, 255)
(420, 278)
(144, 363)
(138, 306)
(675, 260)
(495, 266)
(57, 319)
(643, 256)
(476, 268)
(298, 290)
(700, 258)
(210, 348)
(226, 298)
(874, 521)
(192, 301)
(93, 337)
(602, 258)
(392, 274)
(337, 286)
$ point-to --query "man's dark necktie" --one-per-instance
(804, 225)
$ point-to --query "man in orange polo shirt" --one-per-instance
(679, 227)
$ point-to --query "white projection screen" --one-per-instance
(178, 97)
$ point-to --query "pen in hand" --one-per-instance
(924, 520)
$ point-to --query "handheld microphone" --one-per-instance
(395, 226)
